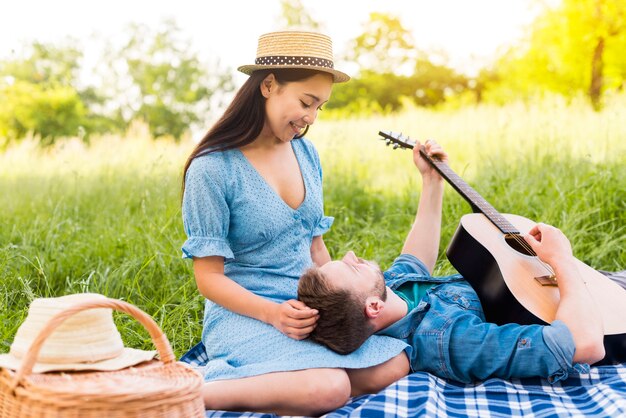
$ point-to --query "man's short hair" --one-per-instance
(342, 325)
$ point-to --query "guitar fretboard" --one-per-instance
(476, 201)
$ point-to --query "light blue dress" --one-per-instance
(229, 210)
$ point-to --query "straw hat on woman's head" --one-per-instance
(88, 340)
(295, 49)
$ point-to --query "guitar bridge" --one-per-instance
(549, 280)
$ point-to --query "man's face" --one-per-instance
(357, 275)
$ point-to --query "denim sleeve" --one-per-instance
(454, 341)
(511, 350)
(560, 342)
(408, 263)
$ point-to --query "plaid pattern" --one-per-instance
(599, 393)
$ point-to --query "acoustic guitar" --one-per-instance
(512, 283)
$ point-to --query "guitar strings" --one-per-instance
(522, 242)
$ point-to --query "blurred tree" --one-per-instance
(392, 69)
(38, 93)
(155, 77)
(370, 92)
(46, 64)
(432, 84)
(576, 47)
(609, 21)
(385, 46)
(168, 85)
(49, 112)
(294, 14)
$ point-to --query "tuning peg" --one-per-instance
(388, 142)
(396, 146)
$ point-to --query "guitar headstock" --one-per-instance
(401, 141)
(398, 140)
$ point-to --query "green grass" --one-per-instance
(107, 218)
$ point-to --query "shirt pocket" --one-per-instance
(461, 296)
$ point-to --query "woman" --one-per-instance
(253, 214)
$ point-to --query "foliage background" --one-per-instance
(573, 48)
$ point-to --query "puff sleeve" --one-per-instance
(323, 225)
(325, 222)
(206, 214)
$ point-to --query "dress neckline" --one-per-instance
(267, 185)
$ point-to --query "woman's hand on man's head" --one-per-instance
(294, 319)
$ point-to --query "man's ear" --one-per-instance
(267, 85)
(373, 307)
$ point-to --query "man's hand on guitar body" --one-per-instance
(550, 244)
(576, 307)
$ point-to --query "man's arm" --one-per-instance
(576, 309)
(423, 239)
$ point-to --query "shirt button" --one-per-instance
(296, 215)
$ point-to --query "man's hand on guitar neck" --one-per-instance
(434, 150)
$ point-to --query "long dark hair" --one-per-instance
(244, 118)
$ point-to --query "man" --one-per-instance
(441, 317)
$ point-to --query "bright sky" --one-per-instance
(470, 31)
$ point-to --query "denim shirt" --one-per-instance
(449, 336)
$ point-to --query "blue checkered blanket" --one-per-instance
(599, 393)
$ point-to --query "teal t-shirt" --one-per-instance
(413, 292)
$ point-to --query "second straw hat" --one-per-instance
(87, 341)
(295, 49)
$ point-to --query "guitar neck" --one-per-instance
(476, 201)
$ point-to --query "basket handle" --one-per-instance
(158, 337)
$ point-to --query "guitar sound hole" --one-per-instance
(519, 244)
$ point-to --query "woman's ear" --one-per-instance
(373, 307)
(267, 85)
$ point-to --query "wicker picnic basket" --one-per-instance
(159, 388)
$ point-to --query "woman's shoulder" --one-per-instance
(214, 164)
(212, 161)
(305, 143)
(307, 148)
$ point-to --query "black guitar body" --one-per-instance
(478, 266)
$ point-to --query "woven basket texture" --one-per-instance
(159, 388)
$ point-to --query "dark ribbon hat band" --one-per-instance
(294, 60)
(293, 49)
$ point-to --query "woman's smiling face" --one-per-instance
(291, 106)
